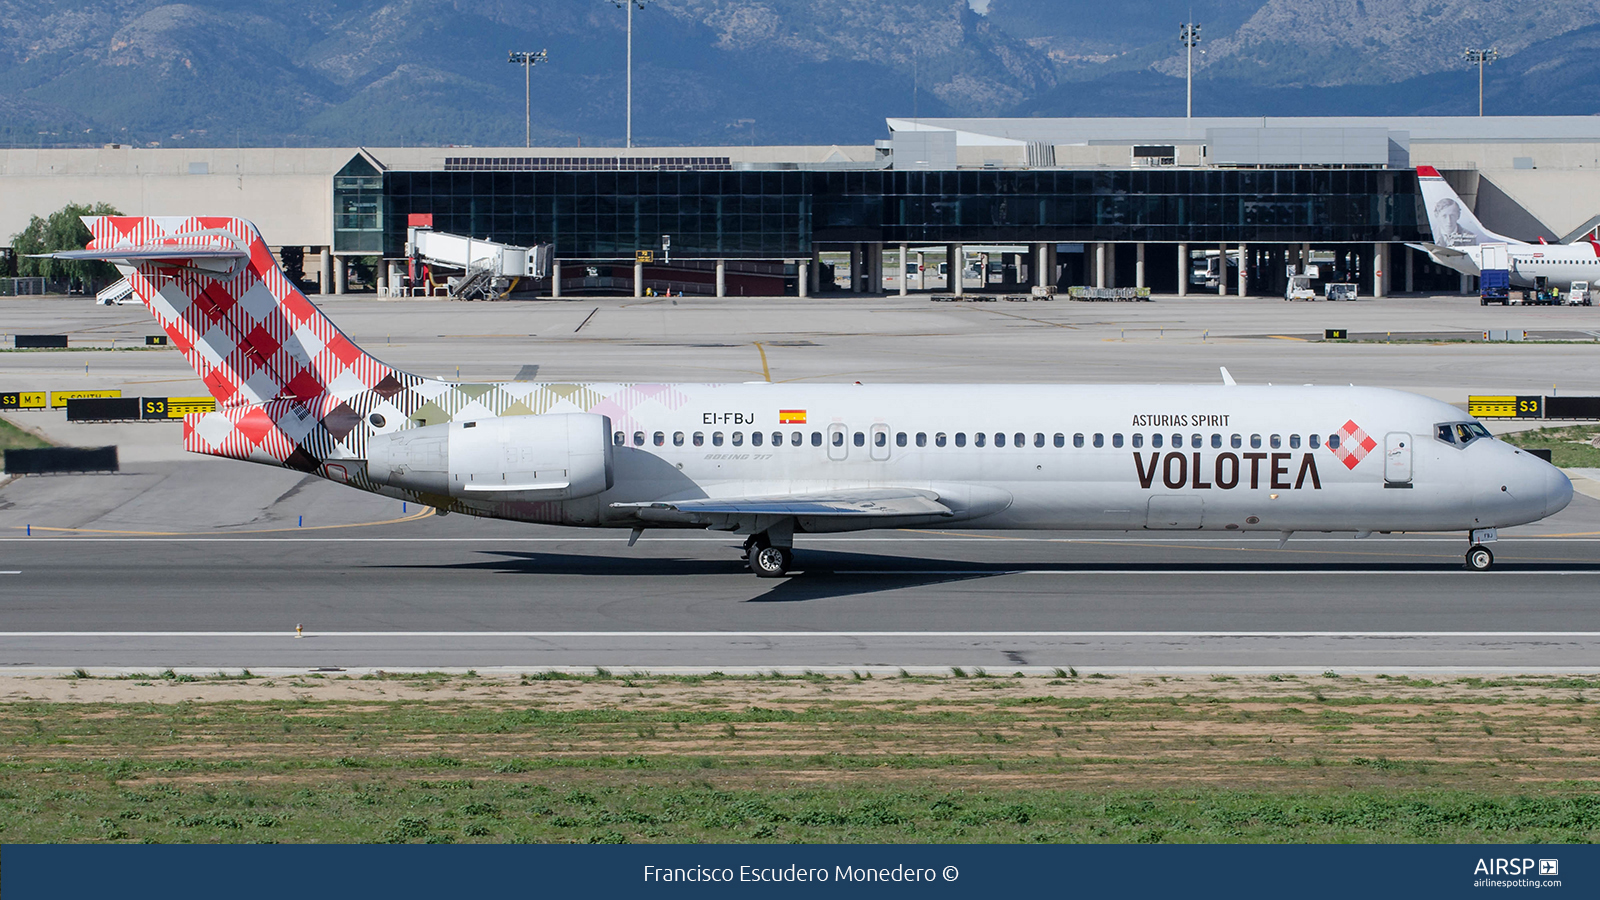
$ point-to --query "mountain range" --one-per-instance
(707, 72)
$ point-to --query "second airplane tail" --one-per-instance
(1453, 224)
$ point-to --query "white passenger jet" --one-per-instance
(770, 461)
(1459, 240)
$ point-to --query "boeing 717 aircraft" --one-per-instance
(770, 461)
(1459, 239)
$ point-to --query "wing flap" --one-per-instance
(865, 503)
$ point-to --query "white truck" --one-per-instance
(1300, 288)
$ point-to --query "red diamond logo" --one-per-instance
(254, 425)
(1354, 445)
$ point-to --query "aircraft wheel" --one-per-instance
(1479, 559)
(771, 562)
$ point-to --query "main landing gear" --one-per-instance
(767, 560)
(1479, 559)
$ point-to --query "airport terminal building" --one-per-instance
(1098, 202)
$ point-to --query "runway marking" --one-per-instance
(190, 537)
(425, 513)
(766, 373)
(810, 634)
(1286, 337)
(1431, 573)
(12, 572)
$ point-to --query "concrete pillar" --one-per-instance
(338, 274)
(874, 268)
(1222, 270)
(802, 280)
(1380, 270)
(1244, 267)
(1052, 265)
(1184, 265)
(816, 272)
(1138, 265)
(1466, 283)
(722, 278)
(1411, 268)
(905, 269)
(638, 279)
(555, 279)
(1305, 257)
(1099, 264)
(383, 280)
(955, 261)
(855, 268)
(325, 278)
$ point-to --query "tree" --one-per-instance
(63, 230)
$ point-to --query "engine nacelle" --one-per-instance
(550, 457)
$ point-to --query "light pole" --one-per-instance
(630, 4)
(1481, 57)
(527, 59)
(1189, 35)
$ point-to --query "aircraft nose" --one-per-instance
(1557, 490)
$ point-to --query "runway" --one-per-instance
(895, 599)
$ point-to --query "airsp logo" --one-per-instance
(1501, 866)
(1549, 867)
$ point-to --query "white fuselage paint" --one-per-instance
(1439, 487)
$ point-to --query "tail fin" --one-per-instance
(1452, 222)
(290, 386)
(214, 287)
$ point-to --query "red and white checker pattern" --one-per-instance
(251, 335)
(1354, 444)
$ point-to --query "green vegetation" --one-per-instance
(1569, 446)
(63, 230)
(638, 758)
(14, 438)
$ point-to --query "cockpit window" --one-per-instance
(1460, 434)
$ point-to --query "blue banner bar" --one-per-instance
(61, 872)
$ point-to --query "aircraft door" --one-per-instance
(837, 442)
(1397, 459)
(879, 441)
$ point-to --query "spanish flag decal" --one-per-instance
(791, 417)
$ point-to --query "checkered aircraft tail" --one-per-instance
(290, 386)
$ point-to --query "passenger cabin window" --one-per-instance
(660, 439)
(999, 439)
(880, 439)
(1236, 442)
(797, 439)
(777, 439)
(900, 439)
(1216, 442)
(677, 439)
(1195, 441)
(716, 439)
(1255, 442)
(619, 439)
(638, 439)
(1077, 440)
(1116, 439)
(1021, 440)
(1315, 440)
(755, 439)
(922, 439)
(1177, 441)
(699, 439)
(938, 439)
(1276, 442)
(861, 439)
(1294, 442)
(1333, 442)
(1138, 441)
(838, 439)
(961, 439)
(816, 439)
(1061, 440)
(1157, 441)
(738, 438)
(1038, 439)
(1099, 440)
(979, 439)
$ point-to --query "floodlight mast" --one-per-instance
(630, 4)
(1189, 35)
(1481, 57)
(527, 59)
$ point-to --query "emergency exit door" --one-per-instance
(1397, 459)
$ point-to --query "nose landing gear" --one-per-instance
(1479, 559)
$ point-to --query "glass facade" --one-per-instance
(779, 214)
(358, 208)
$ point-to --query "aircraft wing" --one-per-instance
(864, 503)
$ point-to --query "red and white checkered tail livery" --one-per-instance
(215, 288)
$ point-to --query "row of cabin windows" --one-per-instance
(980, 439)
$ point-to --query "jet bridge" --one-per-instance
(489, 270)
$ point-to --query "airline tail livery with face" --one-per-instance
(770, 461)
(1459, 239)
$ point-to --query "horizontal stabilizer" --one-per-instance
(156, 254)
(870, 502)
